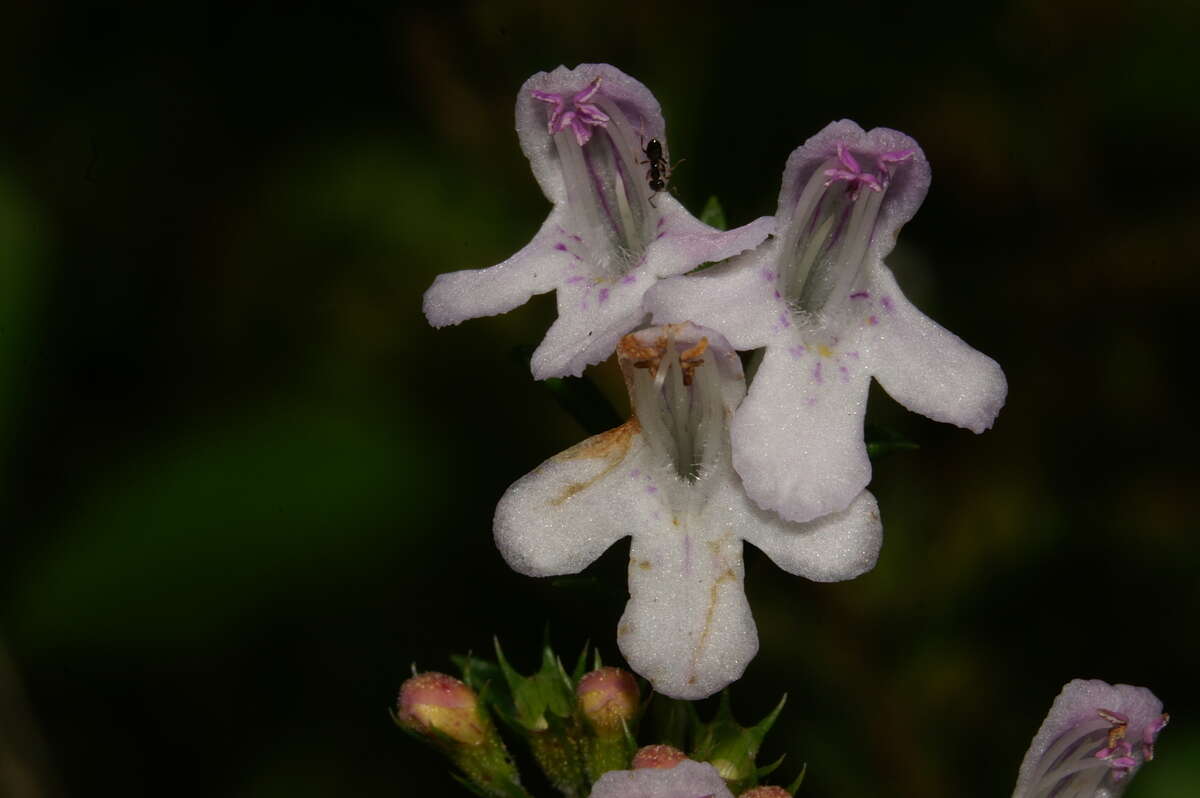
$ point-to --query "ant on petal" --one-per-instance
(659, 172)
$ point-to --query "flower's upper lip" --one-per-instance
(537, 144)
(906, 189)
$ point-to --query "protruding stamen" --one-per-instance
(833, 226)
(605, 193)
(678, 403)
(575, 112)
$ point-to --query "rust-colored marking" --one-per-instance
(690, 360)
(644, 565)
(713, 596)
(639, 355)
(611, 446)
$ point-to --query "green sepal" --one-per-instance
(795, 785)
(544, 714)
(581, 665)
(732, 748)
(767, 770)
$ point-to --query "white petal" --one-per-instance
(684, 242)
(592, 317)
(929, 369)
(798, 437)
(563, 515)
(734, 297)
(688, 779)
(537, 268)
(832, 548)
(687, 627)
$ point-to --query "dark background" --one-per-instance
(245, 486)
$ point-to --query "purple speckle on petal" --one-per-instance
(872, 321)
(784, 320)
(887, 304)
(576, 279)
(797, 351)
(577, 238)
(629, 278)
(860, 295)
(635, 473)
(845, 372)
(660, 235)
(852, 354)
(778, 295)
(661, 222)
(768, 275)
(651, 489)
(811, 401)
(561, 247)
(603, 295)
(817, 372)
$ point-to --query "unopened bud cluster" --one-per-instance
(579, 727)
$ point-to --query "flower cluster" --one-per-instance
(707, 462)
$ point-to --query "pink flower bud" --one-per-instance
(766, 792)
(608, 697)
(432, 702)
(663, 757)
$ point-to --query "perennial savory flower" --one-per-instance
(688, 779)
(1094, 739)
(820, 299)
(609, 237)
(665, 477)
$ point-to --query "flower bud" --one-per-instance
(432, 703)
(608, 698)
(663, 757)
(766, 792)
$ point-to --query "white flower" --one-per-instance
(1094, 739)
(688, 779)
(610, 236)
(821, 301)
(665, 478)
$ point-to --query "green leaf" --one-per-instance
(713, 214)
(882, 441)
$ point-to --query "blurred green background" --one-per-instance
(245, 486)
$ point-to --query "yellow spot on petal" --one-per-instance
(824, 351)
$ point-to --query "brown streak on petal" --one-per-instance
(611, 446)
(713, 596)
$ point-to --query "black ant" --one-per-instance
(659, 171)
